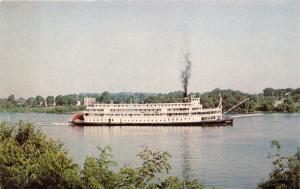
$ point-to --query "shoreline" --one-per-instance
(49, 109)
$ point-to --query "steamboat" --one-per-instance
(189, 112)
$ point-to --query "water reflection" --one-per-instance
(185, 155)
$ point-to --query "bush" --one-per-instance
(29, 159)
(286, 171)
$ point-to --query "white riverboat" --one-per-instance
(189, 112)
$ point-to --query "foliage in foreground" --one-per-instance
(286, 171)
(29, 159)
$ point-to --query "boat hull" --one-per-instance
(225, 122)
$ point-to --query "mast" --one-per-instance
(220, 101)
(221, 104)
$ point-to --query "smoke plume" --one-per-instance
(186, 74)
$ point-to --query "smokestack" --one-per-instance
(186, 74)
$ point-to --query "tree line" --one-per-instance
(30, 159)
(270, 100)
(50, 104)
(60, 100)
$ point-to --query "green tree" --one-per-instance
(72, 99)
(39, 100)
(50, 100)
(96, 172)
(61, 100)
(267, 104)
(11, 98)
(268, 92)
(105, 97)
(28, 159)
(30, 101)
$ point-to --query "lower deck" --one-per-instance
(223, 122)
(152, 119)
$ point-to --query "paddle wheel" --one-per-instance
(77, 118)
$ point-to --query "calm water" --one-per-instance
(226, 157)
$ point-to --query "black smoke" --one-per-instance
(186, 74)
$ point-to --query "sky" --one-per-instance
(51, 48)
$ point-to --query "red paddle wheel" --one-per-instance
(77, 118)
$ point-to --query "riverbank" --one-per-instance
(49, 109)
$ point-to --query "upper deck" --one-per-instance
(189, 106)
(186, 105)
(192, 102)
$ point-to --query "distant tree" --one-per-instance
(267, 106)
(139, 96)
(31, 102)
(105, 97)
(72, 99)
(151, 99)
(296, 97)
(61, 100)
(131, 99)
(296, 91)
(268, 92)
(251, 105)
(286, 106)
(11, 98)
(207, 102)
(39, 100)
(50, 100)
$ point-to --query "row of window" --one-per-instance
(174, 114)
(141, 105)
(177, 109)
(208, 118)
(141, 120)
(208, 112)
(144, 110)
(130, 110)
(155, 114)
(99, 110)
(148, 120)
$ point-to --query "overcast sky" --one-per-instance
(51, 48)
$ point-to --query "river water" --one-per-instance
(225, 157)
